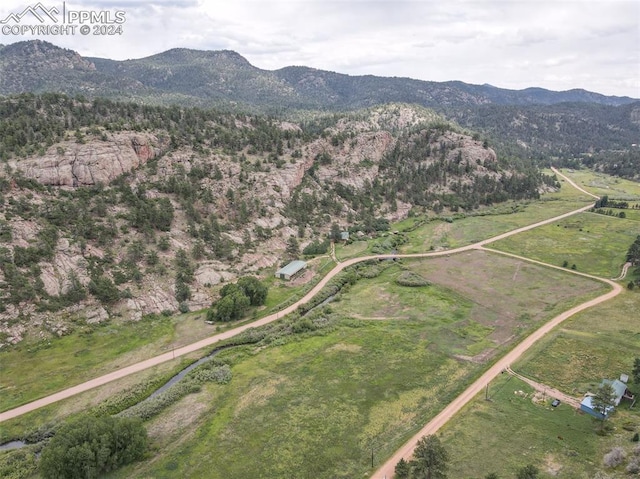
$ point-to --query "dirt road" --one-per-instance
(168, 356)
(387, 469)
(548, 391)
(623, 273)
(572, 183)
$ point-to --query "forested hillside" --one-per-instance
(562, 131)
(532, 123)
(131, 209)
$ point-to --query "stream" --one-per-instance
(17, 444)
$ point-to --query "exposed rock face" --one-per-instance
(209, 275)
(220, 184)
(96, 161)
(96, 315)
(357, 160)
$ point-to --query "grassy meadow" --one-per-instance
(597, 343)
(33, 369)
(602, 184)
(596, 244)
(316, 405)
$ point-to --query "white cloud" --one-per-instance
(563, 44)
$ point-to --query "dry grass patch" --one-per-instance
(178, 417)
(259, 394)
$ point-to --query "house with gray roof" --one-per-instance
(621, 392)
(289, 271)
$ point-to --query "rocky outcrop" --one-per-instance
(83, 164)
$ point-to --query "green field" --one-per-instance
(598, 343)
(31, 369)
(315, 407)
(596, 244)
(512, 430)
(601, 184)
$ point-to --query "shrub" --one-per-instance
(18, 464)
(104, 289)
(208, 372)
(409, 278)
(316, 247)
(615, 457)
(634, 466)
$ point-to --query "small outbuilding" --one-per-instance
(289, 271)
(587, 406)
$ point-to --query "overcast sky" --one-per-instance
(555, 44)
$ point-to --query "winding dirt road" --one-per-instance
(170, 355)
(386, 471)
(388, 468)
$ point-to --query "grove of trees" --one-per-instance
(88, 446)
(236, 298)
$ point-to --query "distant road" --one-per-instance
(168, 356)
(572, 183)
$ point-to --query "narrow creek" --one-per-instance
(17, 444)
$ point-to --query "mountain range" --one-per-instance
(225, 78)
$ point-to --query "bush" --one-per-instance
(191, 383)
(409, 278)
(18, 464)
(104, 289)
(316, 247)
(615, 457)
(528, 472)
(634, 466)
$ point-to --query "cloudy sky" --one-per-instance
(554, 44)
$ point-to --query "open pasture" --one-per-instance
(318, 404)
(598, 343)
(596, 244)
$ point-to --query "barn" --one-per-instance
(289, 271)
